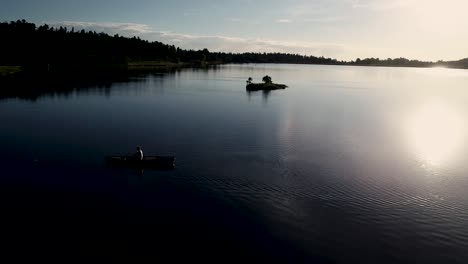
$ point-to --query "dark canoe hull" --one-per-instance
(165, 162)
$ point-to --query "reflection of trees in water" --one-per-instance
(265, 94)
(31, 86)
(34, 86)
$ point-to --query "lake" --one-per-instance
(346, 165)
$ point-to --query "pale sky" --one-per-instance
(342, 29)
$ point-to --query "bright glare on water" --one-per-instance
(347, 165)
(436, 133)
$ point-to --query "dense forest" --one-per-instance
(44, 48)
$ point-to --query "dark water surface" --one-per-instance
(347, 165)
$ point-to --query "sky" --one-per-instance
(342, 29)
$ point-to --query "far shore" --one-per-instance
(7, 71)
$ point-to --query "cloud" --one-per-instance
(234, 19)
(129, 28)
(284, 20)
(237, 44)
(330, 19)
(212, 42)
(380, 5)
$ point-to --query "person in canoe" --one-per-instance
(139, 153)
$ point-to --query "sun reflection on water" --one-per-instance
(436, 133)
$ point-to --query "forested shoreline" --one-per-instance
(43, 48)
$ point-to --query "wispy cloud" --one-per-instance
(330, 19)
(212, 42)
(380, 5)
(117, 28)
(284, 20)
(237, 44)
(234, 19)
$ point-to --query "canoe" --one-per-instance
(166, 162)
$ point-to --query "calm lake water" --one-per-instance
(347, 165)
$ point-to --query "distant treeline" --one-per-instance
(52, 49)
(47, 48)
(403, 62)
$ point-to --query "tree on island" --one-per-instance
(249, 80)
(266, 79)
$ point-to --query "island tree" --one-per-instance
(266, 79)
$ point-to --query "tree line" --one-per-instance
(44, 47)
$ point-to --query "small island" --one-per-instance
(267, 85)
